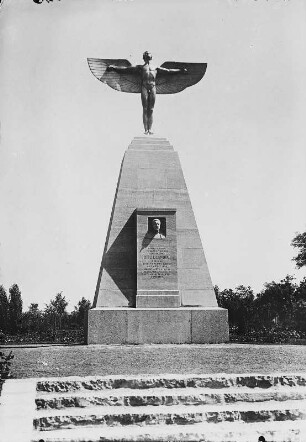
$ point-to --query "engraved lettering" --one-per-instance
(156, 262)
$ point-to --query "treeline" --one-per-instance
(51, 324)
(276, 314)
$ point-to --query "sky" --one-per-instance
(240, 134)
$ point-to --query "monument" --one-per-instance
(154, 285)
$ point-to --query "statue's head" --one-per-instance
(147, 56)
(156, 224)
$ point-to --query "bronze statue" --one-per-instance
(171, 77)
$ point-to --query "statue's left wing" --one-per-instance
(122, 81)
(173, 82)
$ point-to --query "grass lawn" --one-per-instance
(104, 360)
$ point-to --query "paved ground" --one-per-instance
(153, 359)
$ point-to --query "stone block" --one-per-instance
(193, 279)
(154, 147)
(116, 298)
(159, 326)
(120, 258)
(175, 179)
(185, 217)
(209, 325)
(188, 238)
(198, 297)
(190, 258)
(107, 326)
(115, 278)
(152, 178)
(158, 142)
(178, 196)
(124, 241)
(128, 178)
(158, 299)
(123, 218)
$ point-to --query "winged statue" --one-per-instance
(171, 77)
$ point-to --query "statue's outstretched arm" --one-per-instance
(123, 69)
(173, 71)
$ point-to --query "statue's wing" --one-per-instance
(120, 81)
(173, 82)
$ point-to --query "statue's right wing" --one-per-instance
(173, 82)
(129, 81)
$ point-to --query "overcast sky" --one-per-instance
(240, 134)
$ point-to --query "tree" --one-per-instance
(299, 242)
(32, 319)
(57, 310)
(15, 308)
(275, 304)
(80, 311)
(4, 310)
(239, 303)
(300, 307)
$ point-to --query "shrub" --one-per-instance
(5, 367)
(271, 335)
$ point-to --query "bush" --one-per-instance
(5, 367)
(47, 337)
(272, 335)
(2, 337)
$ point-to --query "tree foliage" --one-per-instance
(56, 310)
(5, 366)
(15, 308)
(299, 242)
(52, 324)
(32, 320)
(239, 303)
(276, 302)
(80, 311)
(279, 310)
(4, 310)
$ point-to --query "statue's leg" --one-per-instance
(151, 99)
(144, 100)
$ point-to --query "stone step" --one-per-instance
(150, 139)
(171, 382)
(284, 431)
(148, 146)
(180, 415)
(162, 396)
(159, 144)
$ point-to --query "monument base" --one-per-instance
(184, 325)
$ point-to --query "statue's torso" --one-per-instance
(148, 75)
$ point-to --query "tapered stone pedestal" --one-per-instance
(154, 287)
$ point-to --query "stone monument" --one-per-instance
(154, 285)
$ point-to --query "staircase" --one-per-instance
(164, 408)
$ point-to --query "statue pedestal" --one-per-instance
(183, 325)
(154, 285)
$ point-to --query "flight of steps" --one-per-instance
(206, 408)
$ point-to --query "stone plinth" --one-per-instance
(157, 325)
(154, 289)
